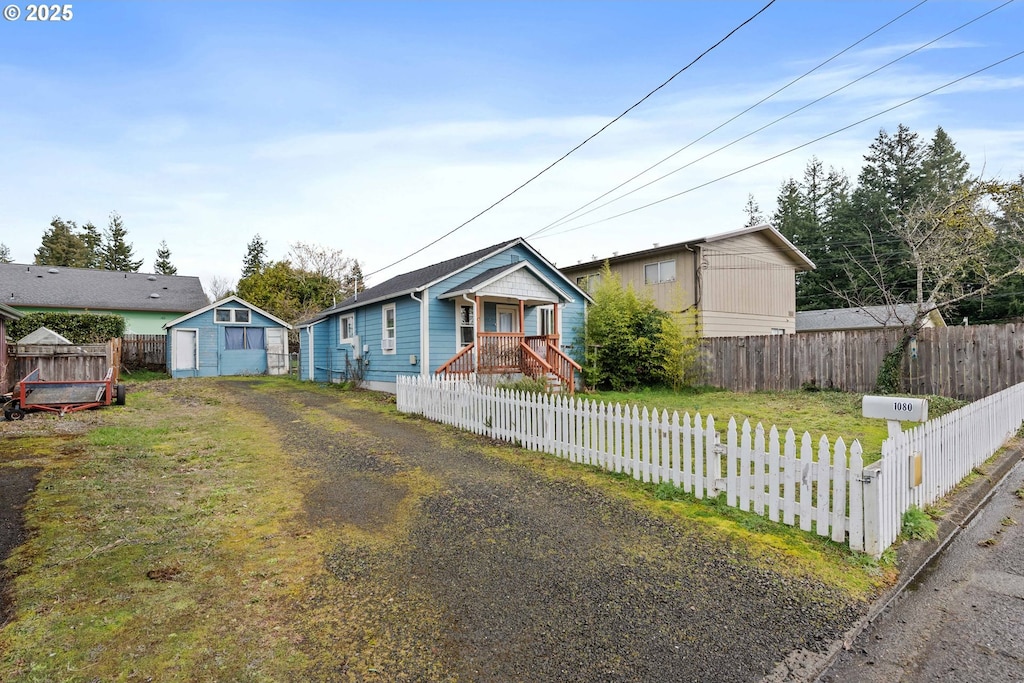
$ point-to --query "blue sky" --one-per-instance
(376, 127)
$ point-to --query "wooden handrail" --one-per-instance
(454, 360)
(533, 355)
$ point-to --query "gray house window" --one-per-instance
(663, 271)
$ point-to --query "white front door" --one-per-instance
(277, 351)
(184, 349)
(508, 319)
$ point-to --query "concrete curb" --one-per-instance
(913, 558)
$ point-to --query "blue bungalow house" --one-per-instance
(229, 337)
(503, 310)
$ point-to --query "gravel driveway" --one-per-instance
(500, 573)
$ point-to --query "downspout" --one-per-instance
(476, 328)
(424, 332)
(697, 293)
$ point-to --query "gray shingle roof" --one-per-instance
(39, 286)
(862, 318)
(408, 282)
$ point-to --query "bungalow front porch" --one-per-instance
(491, 320)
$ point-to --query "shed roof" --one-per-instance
(60, 287)
(9, 313)
(860, 318)
(215, 304)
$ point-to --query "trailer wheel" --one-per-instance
(119, 394)
(15, 414)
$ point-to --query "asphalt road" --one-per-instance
(963, 619)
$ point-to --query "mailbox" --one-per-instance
(895, 408)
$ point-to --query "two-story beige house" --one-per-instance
(739, 283)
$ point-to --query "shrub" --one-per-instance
(78, 328)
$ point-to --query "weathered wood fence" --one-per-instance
(962, 362)
(144, 351)
(821, 487)
(66, 362)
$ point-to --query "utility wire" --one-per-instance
(719, 127)
(791, 149)
(588, 139)
(577, 213)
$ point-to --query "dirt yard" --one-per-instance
(448, 558)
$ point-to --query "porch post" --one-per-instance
(478, 309)
(522, 317)
(554, 324)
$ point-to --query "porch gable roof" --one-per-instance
(518, 280)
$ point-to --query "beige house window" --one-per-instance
(588, 282)
(663, 271)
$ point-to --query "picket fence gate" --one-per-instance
(825, 490)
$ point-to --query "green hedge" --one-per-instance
(79, 328)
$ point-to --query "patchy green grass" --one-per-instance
(831, 413)
(161, 548)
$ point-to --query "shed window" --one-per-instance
(663, 271)
(239, 338)
(231, 315)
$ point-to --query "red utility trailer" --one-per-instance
(61, 396)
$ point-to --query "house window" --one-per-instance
(388, 329)
(348, 328)
(588, 282)
(466, 325)
(663, 271)
(546, 320)
(778, 330)
(241, 338)
(231, 315)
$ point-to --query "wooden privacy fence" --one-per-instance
(144, 351)
(962, 362)
(66, 362)
(791, 483)
(826, 489)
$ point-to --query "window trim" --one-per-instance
(232, 320)
(352, 328)
(542, 312)
(460, 326)
(659, 264)
(384, 336)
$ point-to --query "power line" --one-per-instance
(722, 125)
(791, 149)
(588, 139)
(566, 218)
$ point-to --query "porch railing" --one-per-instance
(499, 352)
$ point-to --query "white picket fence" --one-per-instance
(950, 446)
(823, 490)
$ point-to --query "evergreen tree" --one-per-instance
(62, 246)
(352, 283)
(945, 168)
(808, 214)
(93, 242)
(753, 211)
(117, 253)
(5, 254)
(255, 259)
(162, 265)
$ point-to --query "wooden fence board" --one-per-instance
(961, 362)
